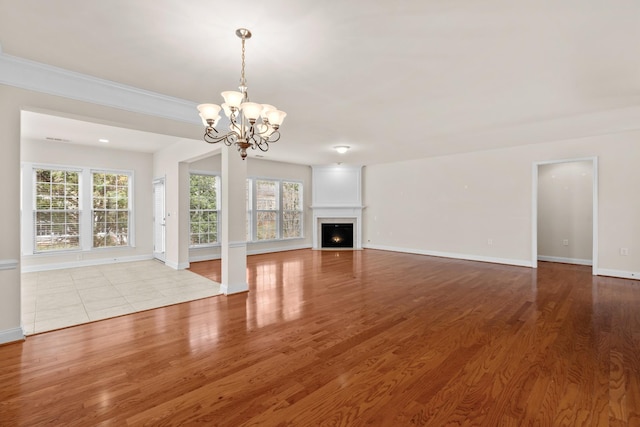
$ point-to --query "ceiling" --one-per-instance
(395, 80)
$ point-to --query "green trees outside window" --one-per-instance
(57, 210)
(278, 209)
(110, 205)
(203, 209)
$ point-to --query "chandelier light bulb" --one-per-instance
(233, 98)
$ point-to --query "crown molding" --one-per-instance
(39, 77)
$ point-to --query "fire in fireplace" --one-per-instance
(337, 235)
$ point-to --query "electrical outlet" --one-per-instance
(489, 241)
(624, 251)
(565, 242)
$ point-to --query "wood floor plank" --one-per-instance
(348, 338)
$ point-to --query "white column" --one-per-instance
(177, 215)
(234, 216)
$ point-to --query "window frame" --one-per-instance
(28, 182)
(35, 210)
(128, 210)
(299, 211)
(256, 211)
(218, 210)
(252, 209)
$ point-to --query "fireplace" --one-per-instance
(337, 201)
(337, 235)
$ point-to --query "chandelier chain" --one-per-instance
(243, 80)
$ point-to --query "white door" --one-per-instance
(158, 219)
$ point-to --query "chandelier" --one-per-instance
(246, 130)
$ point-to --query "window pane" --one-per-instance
(43, 202)
(291, 196)
(43, 175)
(291, 224)
(56, 214)
(266, 225)
(266, 195)
(111, 209)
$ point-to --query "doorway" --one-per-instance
(159, 220)
(564, 212)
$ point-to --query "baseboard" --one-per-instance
(279, 249)
(84, 263)
(210, 257)
(465, 257)
(177, 265)
(11, 335)
(619, 273)
(235, 288)
(206, 257)
(576, 261)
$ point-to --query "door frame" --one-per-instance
(159, 255)
(534, 207)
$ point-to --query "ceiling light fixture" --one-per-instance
(103, 140)
(245, 131)
(341, 148)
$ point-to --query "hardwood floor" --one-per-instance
(348, 338)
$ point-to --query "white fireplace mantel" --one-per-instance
(340, 215)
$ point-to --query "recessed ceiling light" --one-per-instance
(104, 140)
(341, 148)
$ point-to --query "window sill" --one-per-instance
(209, 246)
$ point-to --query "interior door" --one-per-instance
(159, 224)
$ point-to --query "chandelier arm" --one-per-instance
(236, 128)
(211, 138)
(277, 137)
(229, 139)
(262, 144)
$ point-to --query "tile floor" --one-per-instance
(60, 298)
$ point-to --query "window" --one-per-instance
(204, 209)
(266, 209)
(291, 210)
(274, 209)
(110, 209)
(249, 190)
(57, 210)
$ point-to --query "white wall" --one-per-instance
(56, 153)
(453, 205)
(565, 220)
(260, 168)
(337, 186)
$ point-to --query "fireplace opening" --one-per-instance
(337, 235)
